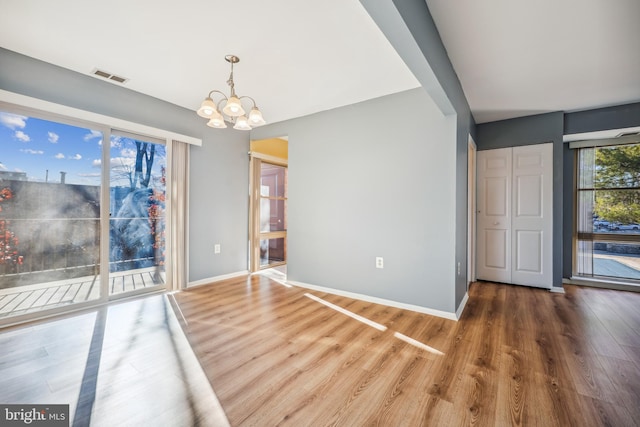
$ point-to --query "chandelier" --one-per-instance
(232, 110)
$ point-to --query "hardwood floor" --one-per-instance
(277, 355)
(126, 364)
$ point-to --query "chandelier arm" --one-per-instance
(252, 100)
(220, 102)
(217, 91)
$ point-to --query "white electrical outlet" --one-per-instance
(216, 249)
(379, 262)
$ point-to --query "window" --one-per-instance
(608, 212)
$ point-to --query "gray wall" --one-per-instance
(373, 179)
(219, 204)
(219, 169)
(530, 130)
(617, 117)
(411, 30)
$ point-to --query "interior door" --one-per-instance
(532, 221)
(494, 215)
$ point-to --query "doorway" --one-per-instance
(268, 204)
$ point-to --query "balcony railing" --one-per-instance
(67, 248)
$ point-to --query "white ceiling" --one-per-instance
(516, 58)
(300, 57)
(296, 57)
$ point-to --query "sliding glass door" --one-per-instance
(81, 219)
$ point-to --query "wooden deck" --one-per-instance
(42, 296)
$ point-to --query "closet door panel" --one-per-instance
(532, 222)
(494, 215)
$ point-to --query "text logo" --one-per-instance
(34, 415)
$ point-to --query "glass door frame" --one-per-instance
(255, 235)
(107, 223)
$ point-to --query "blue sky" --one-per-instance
(32, 145)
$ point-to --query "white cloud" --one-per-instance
(21, 136)
(3, 167)
(53, 137)
(13, 121)
(119, 163)
(128, 152)
(116, 141)
(123, 162)
(30, 151)
(59, 156)
(93, 135)
(76, 157)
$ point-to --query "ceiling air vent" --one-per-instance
(109, 76)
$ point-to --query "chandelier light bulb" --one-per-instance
(255, 117)
(217, 121)
(207, 108)
(242, 123)
(233, 108)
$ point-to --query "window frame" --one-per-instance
(591, 236)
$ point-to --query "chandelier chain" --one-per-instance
(230, 81)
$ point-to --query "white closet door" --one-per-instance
(532, 215)
(494, 215)
(515, 224)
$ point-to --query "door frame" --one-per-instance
(255, 161)
(471, 211)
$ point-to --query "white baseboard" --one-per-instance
(557, 290)
(376, 300)
(463, 303)
(217, 278)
